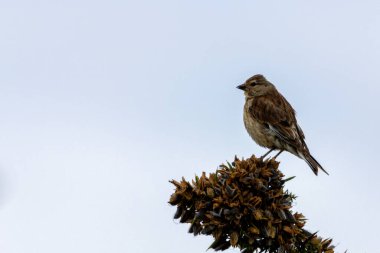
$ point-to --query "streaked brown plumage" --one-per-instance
(271, 121)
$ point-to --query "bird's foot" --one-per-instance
(267, 153)
(278, 154)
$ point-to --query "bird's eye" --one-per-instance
(253, 83)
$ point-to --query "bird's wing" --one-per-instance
(300, 132)
(277, 114)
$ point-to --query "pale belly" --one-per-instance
(260, 134)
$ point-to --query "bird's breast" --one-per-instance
(258, 131)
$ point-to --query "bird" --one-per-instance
(271, 121)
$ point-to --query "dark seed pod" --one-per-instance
(289, 216)
(186, 216)
(200, 214)
(191, 228)
(178, 213)
(197, 229)
(175, 199)
(223, 246)
(281, 213)
(207, 230)
(218, 243)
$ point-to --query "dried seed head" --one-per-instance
(244, 205)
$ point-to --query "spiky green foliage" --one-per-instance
(244, 205)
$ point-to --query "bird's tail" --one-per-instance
(313, 164)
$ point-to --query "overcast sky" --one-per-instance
(103, 102)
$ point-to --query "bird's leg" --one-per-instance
(267, 153)
(278, 154)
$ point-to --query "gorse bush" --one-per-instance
(244, 205)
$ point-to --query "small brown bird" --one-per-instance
(271, 121)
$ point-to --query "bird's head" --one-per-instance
(255, 86)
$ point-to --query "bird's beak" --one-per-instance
(241, 86)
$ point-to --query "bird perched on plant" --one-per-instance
(271, 121)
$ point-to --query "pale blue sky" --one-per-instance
(102, 102)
